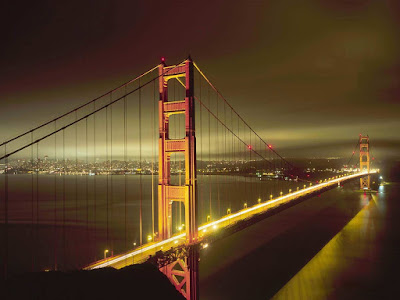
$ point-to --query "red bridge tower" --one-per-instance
(183, 272)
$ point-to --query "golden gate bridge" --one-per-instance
(174, 167)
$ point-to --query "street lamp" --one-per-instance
(245, 205)
(105, 253)
(228, 211)
(149, 238)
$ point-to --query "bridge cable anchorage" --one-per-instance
(78, 107)
(80, 119)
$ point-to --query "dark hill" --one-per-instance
(133, 282)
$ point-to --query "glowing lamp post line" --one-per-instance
(175, 239)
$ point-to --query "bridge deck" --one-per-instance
(142, 253)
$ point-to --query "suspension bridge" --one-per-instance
(156, 169)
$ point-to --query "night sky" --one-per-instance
(309, 76)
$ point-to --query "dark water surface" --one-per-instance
(340, 245)
(67, 222)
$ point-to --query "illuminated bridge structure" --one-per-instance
(88, 177)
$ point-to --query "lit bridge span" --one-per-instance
(207, 230)
(162, 154)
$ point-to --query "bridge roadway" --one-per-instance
(142, 253)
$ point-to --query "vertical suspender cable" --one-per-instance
(180, 175)
(125, 170)
(152, 157)
(107, 175)
(76, 182)
(250, 180)
(174, 154)
(55, 199)
(94, 183)
(76, 168)
(87, 181)
(64, 174)
(233, 156)
(140, 164)
(32, 213)
(37, 193)
(209, 150)
(218, 157)
(201, 153)
(111, 173)
(225, 157)
(6, 214)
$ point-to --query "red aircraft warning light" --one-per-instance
(249, 147)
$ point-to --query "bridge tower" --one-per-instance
(183, 272)
(364, 162)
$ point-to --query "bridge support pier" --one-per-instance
(182, 269)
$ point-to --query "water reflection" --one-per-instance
(341, 260)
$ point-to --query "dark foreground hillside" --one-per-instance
(133, 282)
